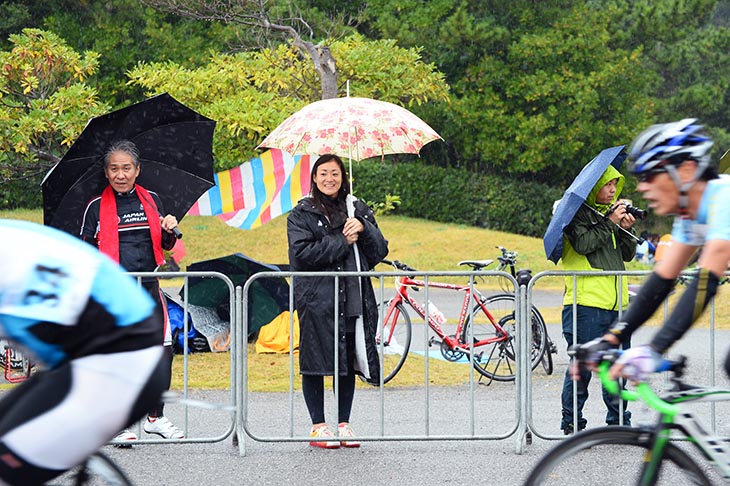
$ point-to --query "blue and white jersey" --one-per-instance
(713, 216)
(52, 286)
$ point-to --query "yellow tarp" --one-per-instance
(274, 336)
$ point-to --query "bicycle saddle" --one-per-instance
(476, 264)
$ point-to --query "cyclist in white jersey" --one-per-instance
(98, 337)
(672, 163)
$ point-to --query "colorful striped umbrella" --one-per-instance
(256, 191)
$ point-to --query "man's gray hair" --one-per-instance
(126, 146)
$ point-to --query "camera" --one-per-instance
(637, 213)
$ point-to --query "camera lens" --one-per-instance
(636, 212)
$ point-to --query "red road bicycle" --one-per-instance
(484, 334)
(16, 366)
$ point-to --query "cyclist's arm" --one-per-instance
(693, 301)
(712, 265)
(656, 288)
(715, 256)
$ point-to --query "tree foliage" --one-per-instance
(535, 88)
(283, 20)
(251, 93)
(44, 101)
(552, 99)
(538, 88)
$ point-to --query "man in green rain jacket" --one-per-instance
(598, 238)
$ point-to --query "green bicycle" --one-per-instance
(641, 455)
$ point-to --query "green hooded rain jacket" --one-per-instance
(594, 242)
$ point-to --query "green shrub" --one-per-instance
(458, 196)
(25, 193)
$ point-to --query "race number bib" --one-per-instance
(43, 284)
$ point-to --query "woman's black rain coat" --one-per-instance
(314, 245)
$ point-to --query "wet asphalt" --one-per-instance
(278, 423)
(276, 451)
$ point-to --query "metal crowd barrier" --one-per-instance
(179, 413)
(430, 413)
(466, 411)
(700, 350)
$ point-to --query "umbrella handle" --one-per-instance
(175, 231)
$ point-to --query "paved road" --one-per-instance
(489, 462)
(388, 462)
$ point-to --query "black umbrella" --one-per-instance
(268, 297)
(176, 155)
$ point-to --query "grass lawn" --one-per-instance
(421, 244)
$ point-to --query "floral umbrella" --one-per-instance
(353, 128)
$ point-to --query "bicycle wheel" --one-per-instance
(497, 360)
(547, 356)
(98, 469)
(612, 455)
(396, 338)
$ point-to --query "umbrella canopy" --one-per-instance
(353, 128)
(268, 297)
(575, 195)
(176, 157)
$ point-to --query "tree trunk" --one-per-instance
(325, 65)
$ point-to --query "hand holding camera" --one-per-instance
(634, 211)
(624, 214)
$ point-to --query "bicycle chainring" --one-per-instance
(450, 354)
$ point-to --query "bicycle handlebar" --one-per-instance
(398, 265)
(643, 391)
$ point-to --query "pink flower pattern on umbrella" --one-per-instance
(354, 128)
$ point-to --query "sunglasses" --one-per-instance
(649, 175)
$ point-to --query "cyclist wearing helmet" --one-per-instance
(672, 163)
(98, 336)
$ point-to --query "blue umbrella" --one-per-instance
(576, 195)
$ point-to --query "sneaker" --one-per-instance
(124, 438)
(162, 427)
(323, 432)
(344, 430)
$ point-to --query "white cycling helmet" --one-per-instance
(663, 147)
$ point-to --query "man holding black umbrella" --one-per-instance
(598, 238)
(126, 223)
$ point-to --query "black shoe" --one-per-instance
(569, 430)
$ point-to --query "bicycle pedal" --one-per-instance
(433, 341)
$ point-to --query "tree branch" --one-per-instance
(253, 13)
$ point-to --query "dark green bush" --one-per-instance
(25, 193)
(457, 196)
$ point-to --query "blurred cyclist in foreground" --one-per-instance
(672, 164)
(99, 338)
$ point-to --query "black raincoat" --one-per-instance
(314, 245)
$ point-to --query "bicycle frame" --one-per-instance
(470, 293)
(672, 417)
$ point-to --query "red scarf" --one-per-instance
(109, 223)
